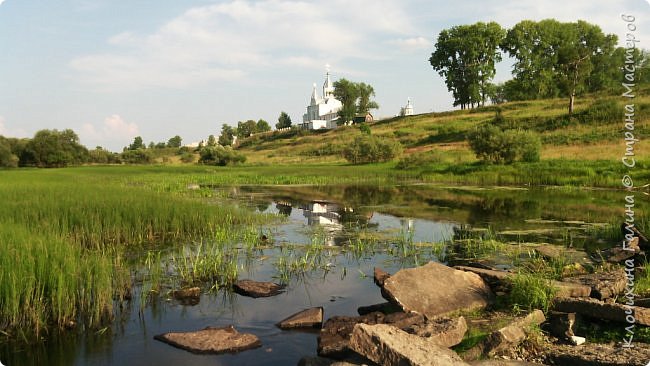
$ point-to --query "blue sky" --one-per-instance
(115, 69)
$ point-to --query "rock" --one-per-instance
(445, 332)
(578, 341)
(211, 340)
(335, 336)
(257, 289)
(512, 334)
(354, 360)
(309, 318)
(390, 346)
(502, 363)
(598, 309)
(435, 289)
(188, 296)
(617, 254)
(560, 324)
(599, 355)
(604, 285)
(384, 307)
(561, 253)
(380, 276)
(642, 302)
(569, 289)
(193, 186)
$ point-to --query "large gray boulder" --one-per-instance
(390, 346)
(334, 338)
(604, 285)
(601, 310)
(211, 340)
(435, 289)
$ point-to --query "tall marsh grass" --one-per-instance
(63, 234)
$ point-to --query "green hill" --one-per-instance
(593, 132)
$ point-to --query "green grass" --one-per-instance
(64, 235)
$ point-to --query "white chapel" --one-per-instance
(322, 112)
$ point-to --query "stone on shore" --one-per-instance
(334, 338)
(502, 363)
(257, 289)
(445, 332)
(560, 325)
(187, 296)
(379, 276)
(600, 310)
(211, 340)
(512, 334)
(390, 346)
(435, 289)
(600, 355)
(309, 318)
(604, 285)
(384, 307)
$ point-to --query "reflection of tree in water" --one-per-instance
(283, 209)
(352, 217)
(503, 210)
(263, 205)
(368, 195)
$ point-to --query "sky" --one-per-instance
(115, 69)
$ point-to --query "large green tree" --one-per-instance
(137, 144)
(262, 126)
(284, 121)
(365, 104)
(355, 98)
(466, 56)
(227, 135)
(7, 157)
(54, 148)
(559, 59)
(245, 129)
(175, 141)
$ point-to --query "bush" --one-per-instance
(492, 144)
(139, 156)
(419, 159)
(219, 155)
(187, 157)
(371, 149)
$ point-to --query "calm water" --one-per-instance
(332, 216)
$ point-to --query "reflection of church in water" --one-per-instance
(329, 217)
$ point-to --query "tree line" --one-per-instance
(552, 59)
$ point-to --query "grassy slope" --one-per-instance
(598, 145)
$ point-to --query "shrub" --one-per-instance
(371, 149)
(139, 156)
(530, 291)
(219, 155)
(492, 144)
(416, 160)
(187, 157)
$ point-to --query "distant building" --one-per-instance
(322, 112)
(407, 110)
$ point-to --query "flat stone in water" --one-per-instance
(211, 340)
(309, 318)
(257, 289)
(435, 289)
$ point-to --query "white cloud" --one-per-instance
(228, 41)
(113, 130)
(413, 43)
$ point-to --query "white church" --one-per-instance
(322, 113)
